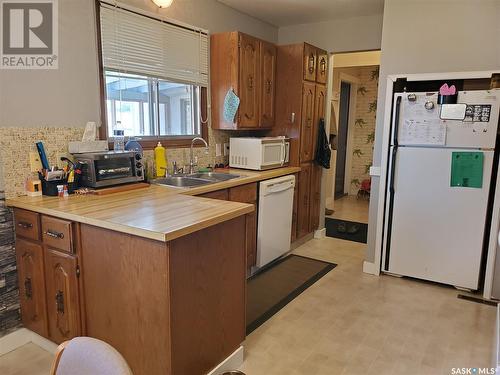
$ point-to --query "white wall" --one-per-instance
(342, 35)
(69, 96)
(423, 36)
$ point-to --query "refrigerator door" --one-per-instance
(437, 230)
(420, 122)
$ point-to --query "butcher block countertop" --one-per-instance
(157, 212)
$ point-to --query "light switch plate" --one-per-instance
(35, 163)
(218, 151)
(226, 149)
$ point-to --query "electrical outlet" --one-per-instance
(226, 149)
(218, 151)
(35, 163)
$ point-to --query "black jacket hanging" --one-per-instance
(323, 152)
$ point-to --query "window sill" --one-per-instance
(150, 144)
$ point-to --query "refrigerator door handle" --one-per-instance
(391, 182)
(498, 239)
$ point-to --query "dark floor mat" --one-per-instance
(273, 288)
(346, 230)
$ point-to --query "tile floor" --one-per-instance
(351, 323)
(350, 208)
(29, 359)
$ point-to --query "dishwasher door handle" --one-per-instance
(279, 187)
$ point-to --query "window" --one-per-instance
(150, 107)
(154, 76)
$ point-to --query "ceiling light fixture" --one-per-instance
(163, 3)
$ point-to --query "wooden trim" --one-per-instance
(151, 142)
(58, 356)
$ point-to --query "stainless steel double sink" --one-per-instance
(195, 179)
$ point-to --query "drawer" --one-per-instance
(244, 193)
(27, 224)
(57, 233)
(218, 194)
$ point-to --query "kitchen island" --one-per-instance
(158, 273)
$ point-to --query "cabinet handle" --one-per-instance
(322, 65)
(60, 302)
(24, 225)
(28, 291)
(54, 234)
(268, 86)
(250, 82)
(310, 65)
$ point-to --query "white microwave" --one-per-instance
(259, 153)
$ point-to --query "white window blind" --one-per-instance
(138, 44)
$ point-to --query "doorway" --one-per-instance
(353, 103)
(345, 94)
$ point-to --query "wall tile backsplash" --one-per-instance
(16, 143)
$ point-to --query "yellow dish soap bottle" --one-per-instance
(160, 160)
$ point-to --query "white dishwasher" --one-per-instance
(275, 218)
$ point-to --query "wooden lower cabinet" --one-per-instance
(31, 275)
(295, 208)
(303, 201)
(244, 194)
(63, 304)
(251, 239)
(315, 196)
(222, 194)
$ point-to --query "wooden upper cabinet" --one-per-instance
(310, 62)
(268, 84)
(322, 67)
(249, 91)
(248, 66)
(62, 295)
(32, 286)
(307, 130)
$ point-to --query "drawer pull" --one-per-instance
(60, 302)
(25, 225)
(28, 291)
(53, 234)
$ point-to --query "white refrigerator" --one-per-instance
(437, 196)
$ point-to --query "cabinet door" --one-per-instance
(32, 286)
(249, 93)
(218, 194)
(310, 62)
(268, 84)
(315, 197)
(307, 126)
(295, 205)
(248, 194)
(319, 113)
(303, 206)
(251, 238)
(62, 295)
(322, 68)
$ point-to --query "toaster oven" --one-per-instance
(109, 168)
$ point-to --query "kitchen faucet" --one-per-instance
(192, 164)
